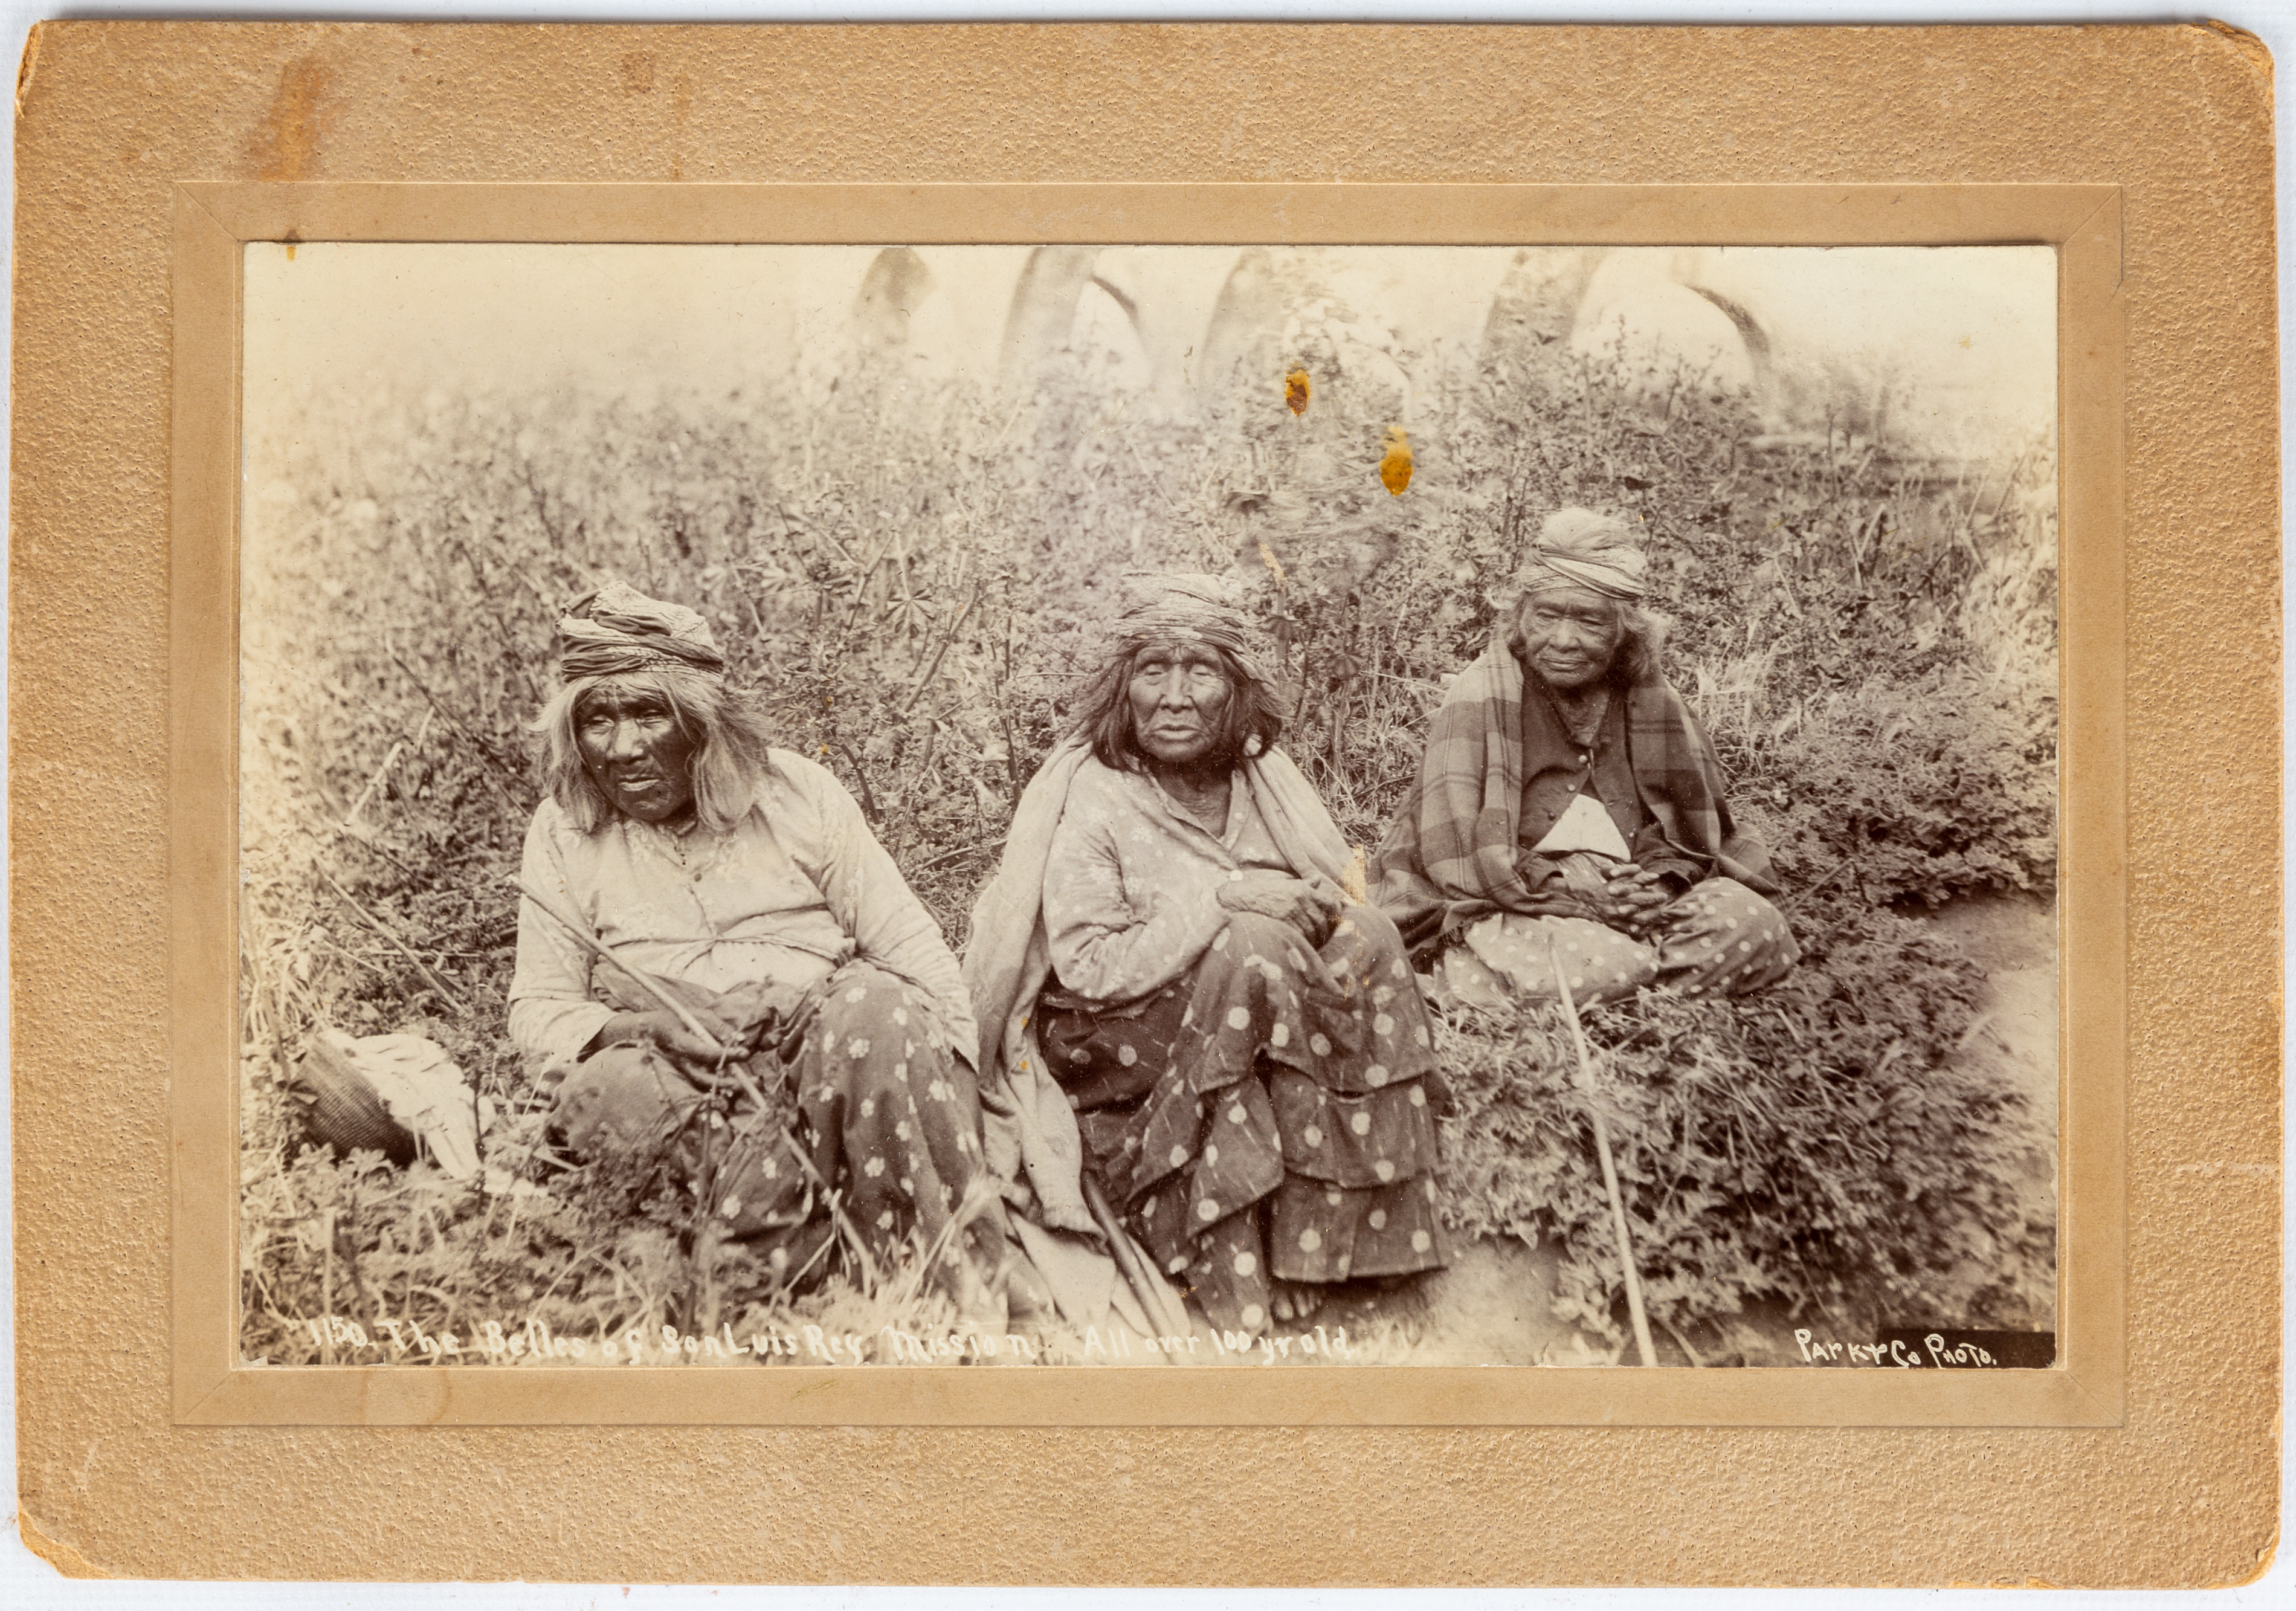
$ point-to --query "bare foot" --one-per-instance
(1027, 1301)
(1296, 1302)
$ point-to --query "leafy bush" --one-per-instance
(910, 575)
(1916, 791)
(1821, 1145)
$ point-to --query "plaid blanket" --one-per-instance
(1449, 857)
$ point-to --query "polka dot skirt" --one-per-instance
(887, 1117)
(1269, 1123)
(1719, 938)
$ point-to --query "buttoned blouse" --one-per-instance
(792, 891)
(1557, 766)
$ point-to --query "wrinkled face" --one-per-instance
(1179, 693)
(635, 751)
(1571, 635)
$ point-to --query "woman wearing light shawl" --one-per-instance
(1570, 807)
(744, 879)
(1178, 996)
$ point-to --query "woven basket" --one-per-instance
(342, 1111)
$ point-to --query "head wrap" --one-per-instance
(1581, 548)
(619, 629)
(1166, 606)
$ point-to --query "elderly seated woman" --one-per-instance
(1569, 806)
(742, 881)
(1242, 1046)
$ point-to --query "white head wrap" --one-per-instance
(1582, 548)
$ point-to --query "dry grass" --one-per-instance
(911, 580)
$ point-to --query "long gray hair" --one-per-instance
(729, 757)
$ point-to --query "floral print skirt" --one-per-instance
(1264, 1117)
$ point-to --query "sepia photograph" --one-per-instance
(1148, 806)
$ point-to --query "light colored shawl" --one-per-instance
(1027, 1123)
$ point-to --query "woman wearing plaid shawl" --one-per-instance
(1569, 806)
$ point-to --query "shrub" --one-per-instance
(1820, 1144)
(911, 578)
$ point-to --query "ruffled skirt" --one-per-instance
(1264, 1116)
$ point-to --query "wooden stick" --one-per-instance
(1146, 1285)
(838, 1216)
(375, 923)
(1609, 1170)
(727, 1062)
(494, 764)
(962, 849)
(637, 975)
(918, 692)
(351, 818)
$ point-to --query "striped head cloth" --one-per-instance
(1169, 605)
(619, 629)
(1581, 549)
